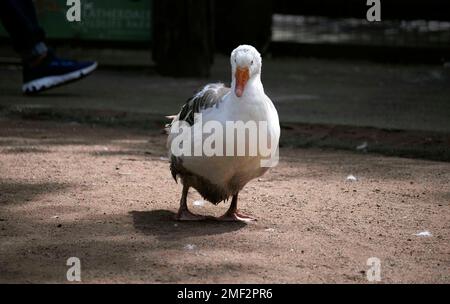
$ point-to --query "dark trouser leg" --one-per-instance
(42, 70)
(19, 19)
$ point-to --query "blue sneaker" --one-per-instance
(52, 71)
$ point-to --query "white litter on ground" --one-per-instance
(190, 247)
(163, 158)
(55, 216)
(199, 203)
(424, 233)
(125, 173)
(269, 230)
(362, 146)
(351, 178)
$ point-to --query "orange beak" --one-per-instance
(242, 76)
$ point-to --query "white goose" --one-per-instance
(217, 177)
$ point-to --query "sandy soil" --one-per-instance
(105, 195)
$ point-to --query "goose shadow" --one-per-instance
(162, 224)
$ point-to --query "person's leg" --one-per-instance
(20, 20)
(42, 70)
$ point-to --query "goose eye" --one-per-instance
(251, 62)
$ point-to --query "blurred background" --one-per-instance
(410, 30)
(324, 63)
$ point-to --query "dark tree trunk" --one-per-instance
(243, 22)
(183, 37)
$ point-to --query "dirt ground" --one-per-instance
(105, 195)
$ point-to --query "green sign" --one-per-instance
(101, 20)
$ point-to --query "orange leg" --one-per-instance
(233, 215)
(183, 213)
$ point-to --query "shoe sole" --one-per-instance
(45, 83)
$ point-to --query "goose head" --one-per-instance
(245, 66)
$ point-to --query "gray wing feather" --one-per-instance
(210, 96)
